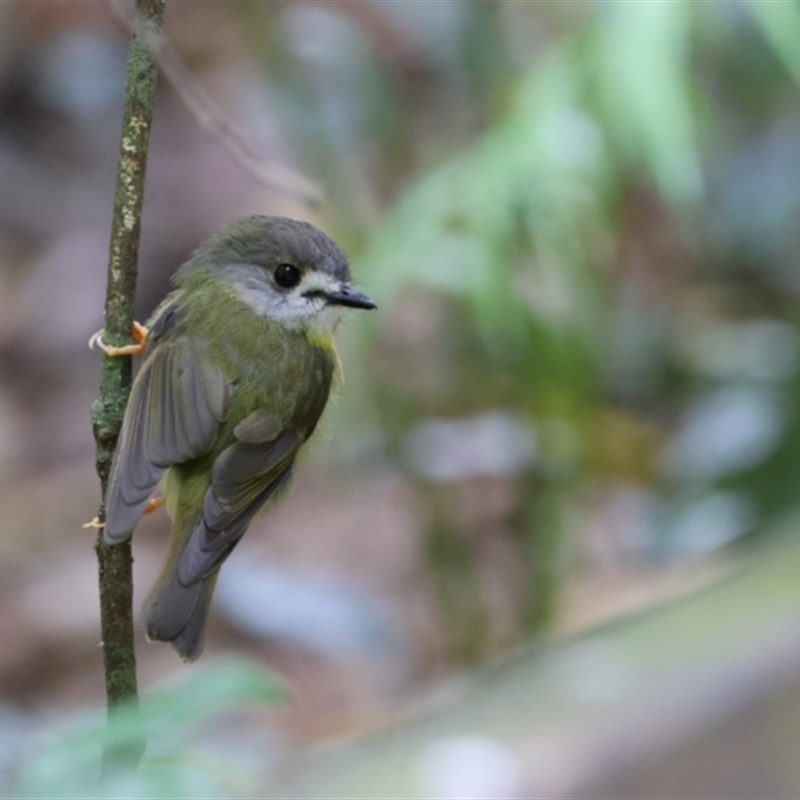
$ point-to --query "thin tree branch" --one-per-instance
(115, 562)
(214, 121)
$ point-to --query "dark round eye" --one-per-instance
(287, 275)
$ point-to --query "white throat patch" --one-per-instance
(303, 306)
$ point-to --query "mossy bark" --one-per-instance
(115, 562)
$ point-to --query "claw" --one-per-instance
(97, 339)
(95, 524)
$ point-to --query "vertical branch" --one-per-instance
(115, 562)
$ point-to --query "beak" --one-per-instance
(350, 297)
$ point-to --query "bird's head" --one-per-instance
(285, 270)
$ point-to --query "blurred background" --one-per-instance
(579, 399)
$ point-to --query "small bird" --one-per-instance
(239, 361)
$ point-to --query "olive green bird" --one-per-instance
(238, 365)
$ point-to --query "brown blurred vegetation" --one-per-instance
(579, 396)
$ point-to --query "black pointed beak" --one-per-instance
(350, 297)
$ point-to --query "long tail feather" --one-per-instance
(176, 612)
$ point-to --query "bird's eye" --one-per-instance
(287, 275)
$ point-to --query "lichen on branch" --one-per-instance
(115, 562)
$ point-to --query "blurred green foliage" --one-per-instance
(578, 200)
(173, 720)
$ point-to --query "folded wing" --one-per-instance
(174, 413)
(244, 477)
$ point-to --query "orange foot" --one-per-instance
(154, 503)
(139, 335)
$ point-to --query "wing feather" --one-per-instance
(244, 477)
(173, 415)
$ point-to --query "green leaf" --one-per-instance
(645, 80)
(780, 24)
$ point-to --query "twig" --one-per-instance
(115, 562)
(213, 119)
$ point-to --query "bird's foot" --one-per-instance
(95, 524)
(139, 334)
(153, 504)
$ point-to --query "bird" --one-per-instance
(238, 364)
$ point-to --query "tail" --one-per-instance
(175, 612)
